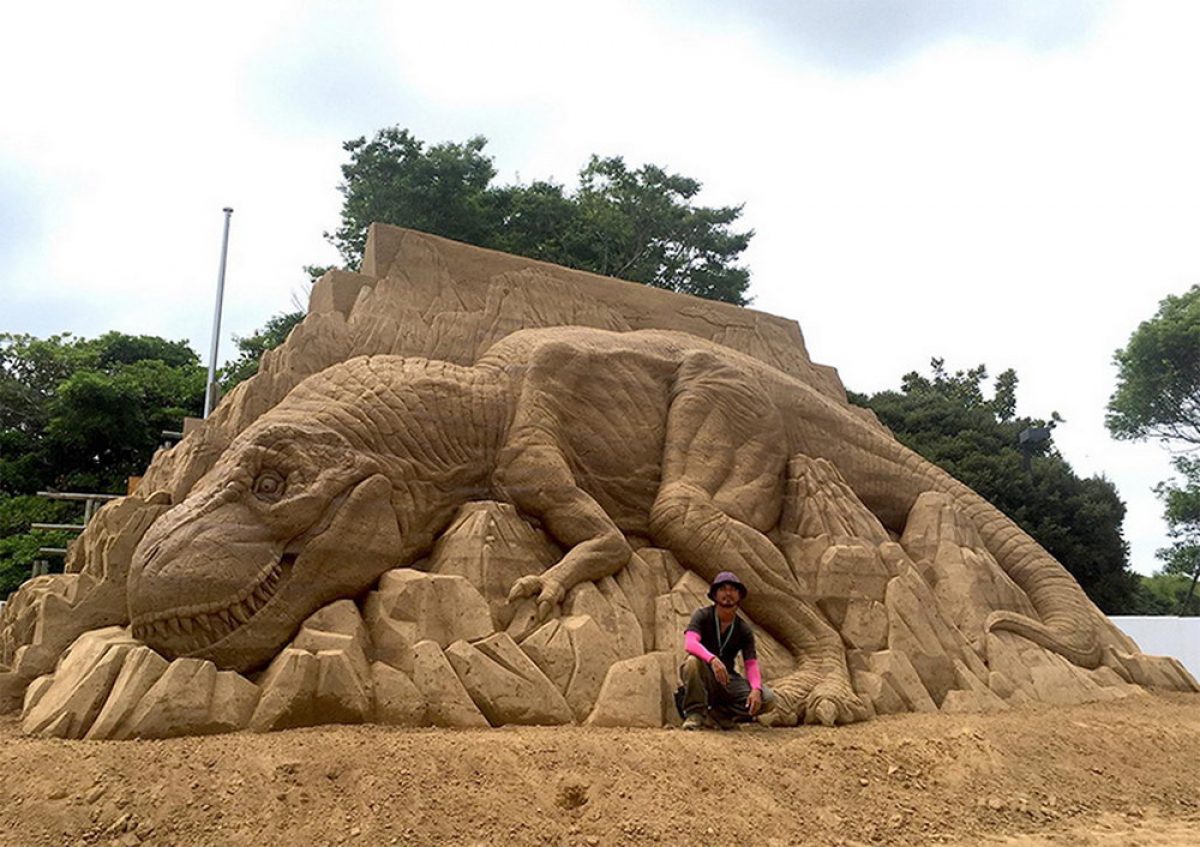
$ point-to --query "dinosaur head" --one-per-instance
(291, 518)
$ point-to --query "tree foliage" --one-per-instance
(1181, 502)
(640, 224)
(89, 412)
(1158, 376)
(80, 414)
(949, 419)
(1158, 397)
(19, 544)
(252, 347)
(1166, 593)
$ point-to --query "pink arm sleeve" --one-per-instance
(752, 675)
(691, 643)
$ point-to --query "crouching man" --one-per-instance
(713, 693)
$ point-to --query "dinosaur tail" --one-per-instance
(1070, 622)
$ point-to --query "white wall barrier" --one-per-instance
(1165, 636)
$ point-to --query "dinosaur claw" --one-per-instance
(547, 591)
(826, 712)
(526, 586)
(832, 702)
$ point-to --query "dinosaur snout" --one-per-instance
(193, 582)
(215, 583)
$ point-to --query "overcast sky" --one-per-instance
(1016, 184)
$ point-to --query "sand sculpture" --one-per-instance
(473, 490)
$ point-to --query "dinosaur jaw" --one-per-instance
(192, 630)
(240, 623)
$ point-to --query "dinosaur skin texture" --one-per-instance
(595, 434)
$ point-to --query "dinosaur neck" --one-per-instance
(435, 429)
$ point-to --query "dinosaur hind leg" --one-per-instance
(722, 473)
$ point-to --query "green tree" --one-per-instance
(1181, 500)
(1158, 376)
(949, 419)
(639, 224)
(19, 544)
(647, 230)
(1167, 594)
(1158, 397)
(80, 414)
(393, 178)
(252, 347)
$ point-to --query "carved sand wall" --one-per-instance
(475, 490)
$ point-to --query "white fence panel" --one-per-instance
(1165, 636)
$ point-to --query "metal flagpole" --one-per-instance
(210, 392)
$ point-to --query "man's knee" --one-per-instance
(693, 667)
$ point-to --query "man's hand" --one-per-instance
(719, 671)
(754, 701)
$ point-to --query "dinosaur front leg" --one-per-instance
(722, 471)
(538, 480)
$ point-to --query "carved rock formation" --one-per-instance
(110, 687)
(636, 692)
(447, 702)
(489, 545)
(47, 613)
(505, 684)
(575, 654)
(508, 512)
(409, 606)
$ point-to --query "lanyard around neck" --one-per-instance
(722, 644)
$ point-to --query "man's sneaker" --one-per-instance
(694, 721)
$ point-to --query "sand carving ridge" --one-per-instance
(497, 516)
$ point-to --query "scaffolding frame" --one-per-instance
(91, 504)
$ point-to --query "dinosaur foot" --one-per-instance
(833, 701)
(788, 711)
(830, 701)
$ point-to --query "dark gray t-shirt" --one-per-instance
(739, 636)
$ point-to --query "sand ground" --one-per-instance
(1122, 773)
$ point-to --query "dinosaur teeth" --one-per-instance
(203, 628)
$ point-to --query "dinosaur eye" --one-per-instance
(268, 486)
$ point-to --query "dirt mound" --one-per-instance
(1102, 774)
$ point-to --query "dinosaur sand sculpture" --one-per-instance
(332, 553)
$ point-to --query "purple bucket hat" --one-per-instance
(726, 578)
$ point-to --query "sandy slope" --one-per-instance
(1105, 774)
